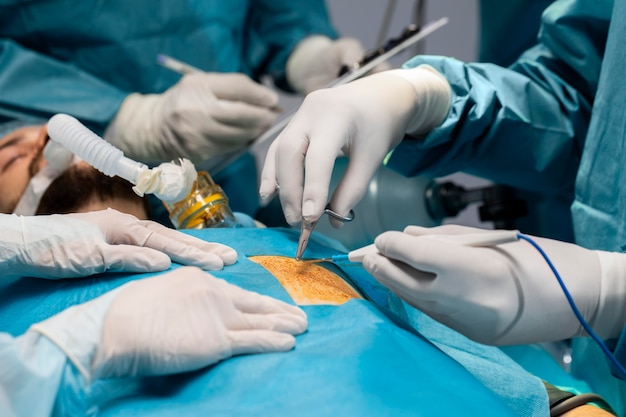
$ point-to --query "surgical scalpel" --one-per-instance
(491, 238)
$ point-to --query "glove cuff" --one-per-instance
(76, 331)
(611, 316)
(134, 131)
(434, 98)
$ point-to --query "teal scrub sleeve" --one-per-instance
(37, 379)
(35, 85)
(525, 125)
(276, 27)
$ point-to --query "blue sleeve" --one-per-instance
(36, 85)
(37, 379)
(524, 125)
(276, 27)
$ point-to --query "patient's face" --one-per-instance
(81, 188)
(20, 158)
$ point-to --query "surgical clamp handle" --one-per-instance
(338, 216)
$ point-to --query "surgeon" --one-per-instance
(552, 123)
(98, 63)
(58, 359)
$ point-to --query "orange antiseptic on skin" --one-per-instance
(307, 283)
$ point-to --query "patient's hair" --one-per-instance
(80, 185)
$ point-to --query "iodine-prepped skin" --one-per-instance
(308, 283)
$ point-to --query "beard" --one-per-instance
(82, 184)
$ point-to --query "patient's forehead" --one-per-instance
(27, 132)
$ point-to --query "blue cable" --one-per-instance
(579, 316)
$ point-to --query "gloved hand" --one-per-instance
(177, 322)
(317, 60)
(81, 244)
(505, 294)
(363, 120)
(202, 116)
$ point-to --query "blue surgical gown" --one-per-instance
(553, 123)
(34, 371)
(83, 58)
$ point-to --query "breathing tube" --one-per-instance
(170, 181)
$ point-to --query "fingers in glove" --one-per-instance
(239, 87)
(326, 142)
(243, 115)
(259, 341)
(284, 323)
(424, 254)
(305, 157)
(351, 188)
(290, 149)
(269, 187)
(349, 50)
(187, 250)
(134, 259)
(397, 274)
(226, 138)
(254, 303)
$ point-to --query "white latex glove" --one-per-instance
(317, 60)
(202, 116)
(505, 294)
(81, 244)
(180, 321)
(363, 120)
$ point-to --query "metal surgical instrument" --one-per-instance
(490, 238)
(307, 229)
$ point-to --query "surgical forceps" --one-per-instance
(307, 229)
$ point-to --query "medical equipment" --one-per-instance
(354, 256)
(169, 182)
(206, 206)
(492, 238)
(193, 200)
(307, 229)
(176, 65)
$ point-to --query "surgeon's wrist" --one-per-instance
(76, 331)
(135, 128)
(434, 97)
